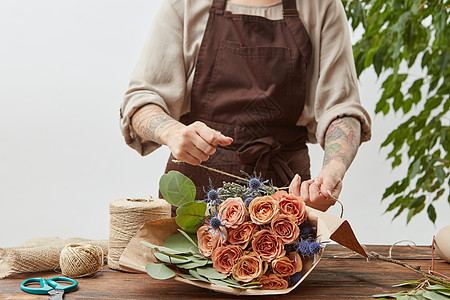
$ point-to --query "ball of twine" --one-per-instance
(78, 260)
(126, 217)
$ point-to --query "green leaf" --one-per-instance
(440, 174)
(434, 296)
(189, 215)
(159, 271)
(411, 282)
(193, 264)
(198, 276)
(162, 248)
(417, 202)
(210, 273)
(189, 238)
(431, 213)
(176, 188)
(170, 258)
(178, 242)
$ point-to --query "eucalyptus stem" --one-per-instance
(417, 269)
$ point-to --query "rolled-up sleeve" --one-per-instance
(336, 93)
(159, 76)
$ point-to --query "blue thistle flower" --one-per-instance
(248, 200)
(215, 223)
(303, 248)
(294, 278)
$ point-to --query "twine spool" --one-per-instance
(77, 260)
(126, 217)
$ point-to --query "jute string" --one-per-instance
(38, 255)
(78, 260)
(126, 217)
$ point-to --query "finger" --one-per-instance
(209, 135)
(304, 190)
(294, 187)
(203, 146)
(314, 192)
(188, 158)
(224, 140)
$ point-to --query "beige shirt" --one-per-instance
(165, 69)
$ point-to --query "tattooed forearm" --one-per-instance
(150, 122)
(342, 141)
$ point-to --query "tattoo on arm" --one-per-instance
(342, 141)
(150, 122)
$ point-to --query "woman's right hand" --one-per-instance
(194, 143)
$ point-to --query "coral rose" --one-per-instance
(284, 266)
(233, 211)
(285, 228)
(263, 209)
(273, 282)
(224, 258)
(209, 239)
(242, 235)
(291, 205)
(268, 245)
(249, 267)
(296, 261)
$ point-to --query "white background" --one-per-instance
(64, 67)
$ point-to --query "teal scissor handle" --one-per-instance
(48, 285)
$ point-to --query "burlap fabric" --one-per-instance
(39, 255)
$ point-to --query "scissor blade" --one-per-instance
(56, 294)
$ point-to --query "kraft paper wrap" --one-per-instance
(136, 255)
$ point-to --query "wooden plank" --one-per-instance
(339, 278)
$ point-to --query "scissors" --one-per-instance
(50, 286)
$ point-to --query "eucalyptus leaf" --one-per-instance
(162, 248)
(190, 238)
(159, 271)
(194, 273)
(176, 188)
(170, 259)
(189, 215)
(178, 242)
(210, 273)
(193, 264)
(432, 295)
(411, 282)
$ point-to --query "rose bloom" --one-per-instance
(273, 282)
(296, 261)
(209, 239)
(249, 267)
(224, 258)
(285, 228)
(233, 210)
(263, 209)
(242, 235)
(284, 266)
(291, 205)
(268, 245)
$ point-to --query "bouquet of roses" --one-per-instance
(243, 235)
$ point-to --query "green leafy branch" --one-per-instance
(400, 36)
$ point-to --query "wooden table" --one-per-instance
(339, 275)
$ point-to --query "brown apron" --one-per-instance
(250, 84)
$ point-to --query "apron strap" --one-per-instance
(290, 8)
(219, 4)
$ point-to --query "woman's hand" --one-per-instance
(319, 193)
(341, 144)
(194, 143)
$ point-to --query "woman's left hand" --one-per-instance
(319, 193)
